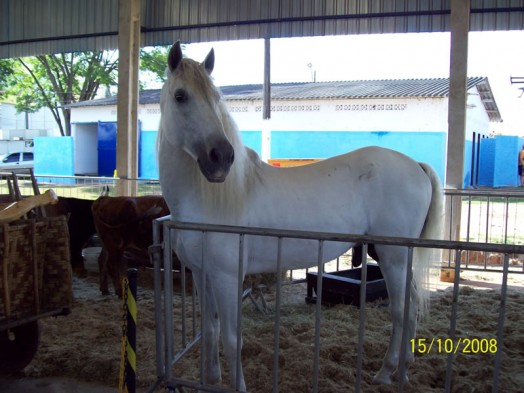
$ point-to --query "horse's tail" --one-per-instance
(425, 257)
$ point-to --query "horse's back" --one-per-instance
(369, 190)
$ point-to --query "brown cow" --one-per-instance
(125, 227)
(80, 224)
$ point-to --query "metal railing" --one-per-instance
(491, 235)
(488, 217)
(168, 356)
(85, 187)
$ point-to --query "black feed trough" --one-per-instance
(343, 287)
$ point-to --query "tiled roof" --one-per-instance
(391, 88)
(394, 88)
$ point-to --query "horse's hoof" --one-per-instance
(212, 375)
(381, 379)
(396, 377)
(212, 379)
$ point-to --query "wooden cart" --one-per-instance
(35, 278)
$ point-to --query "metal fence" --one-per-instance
(171, 349)
(487, 217)
(85, 187)
(490, 240)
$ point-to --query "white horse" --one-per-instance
(208, 176)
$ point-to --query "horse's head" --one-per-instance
(191, 117)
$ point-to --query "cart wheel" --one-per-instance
(18, 347)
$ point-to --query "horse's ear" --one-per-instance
(175, 56)
(209, 61)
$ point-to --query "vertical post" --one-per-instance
(459, 23)
(157, 263)
(266, 106)
(477, 163)
(473, 160)
(362, 317)
(127, 104)
(130, 380)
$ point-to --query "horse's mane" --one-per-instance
(227, 198)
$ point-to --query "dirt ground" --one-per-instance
(85, 346)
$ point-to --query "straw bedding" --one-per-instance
(86, 344)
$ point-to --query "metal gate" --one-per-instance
(171, 349)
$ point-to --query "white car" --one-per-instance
(16, 162)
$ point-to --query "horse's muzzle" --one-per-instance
(215, 165)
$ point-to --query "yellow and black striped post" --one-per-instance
(128, 364)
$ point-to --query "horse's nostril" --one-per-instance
(214, 155)
(222, 155)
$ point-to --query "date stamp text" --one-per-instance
(455, 346)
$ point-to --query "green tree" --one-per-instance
(6, 73)
(153, 64)
(55, 81)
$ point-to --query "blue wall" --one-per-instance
(428, 147)
(498, 156)
(148, 163)
(54, 156)
(252, 139)
(498, 164)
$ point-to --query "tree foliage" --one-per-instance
(6, 73)
(153, 62)
(55, 81)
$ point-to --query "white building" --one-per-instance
(18, 130)
(313, 120)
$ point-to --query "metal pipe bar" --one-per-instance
(453, 322)
(506, 219)
(203, 306)
(157, 278)
(500, 328)
(487, 221)
(494, 193)
(362, 317)
(182, 303)
(276, 346)
(168, 300)
(190, 345)
(318, 315)
(405, 321)
(240, 296)
(350, 238)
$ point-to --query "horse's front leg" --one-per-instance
(226, 290)
(393, 267)
(210, 331)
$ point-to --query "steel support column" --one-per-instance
(128, 67)
(459, 24)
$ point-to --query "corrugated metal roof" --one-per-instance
(31, 27)
(364, 89)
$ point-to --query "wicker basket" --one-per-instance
(35, 269)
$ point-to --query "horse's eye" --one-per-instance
(180, 95)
